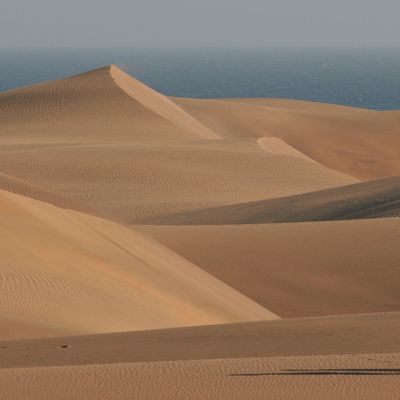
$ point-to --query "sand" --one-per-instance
(125, 152)
(79, 274)
(300, 269)
(163, 248)
(371, 199)
(361, 143)
(299, 359)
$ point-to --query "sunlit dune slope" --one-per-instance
(361, 143)
(299, 269)
(296, 359)
(135, 181)
(69, 273)
(96, 107)
(372, 199)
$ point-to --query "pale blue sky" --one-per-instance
(197, 23)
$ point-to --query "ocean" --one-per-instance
(368, 78)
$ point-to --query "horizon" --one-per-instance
(338, 75)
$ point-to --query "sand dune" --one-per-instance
(116, 148)
(72, 273)
(372, 199)
(86, 161)
(236, 361)
(301, 269)
(135, 181)
(97, 107)
(362, 143)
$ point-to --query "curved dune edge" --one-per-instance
(81, 274)
(274, 145)
(100, 106)
(158, 103)
(371, 199)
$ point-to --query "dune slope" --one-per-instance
(362, 143)
(134, 181)
(71, 273)
(299, 269)
(96, 107)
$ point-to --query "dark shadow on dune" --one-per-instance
(327, 372)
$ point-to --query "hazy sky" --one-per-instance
(165, 23)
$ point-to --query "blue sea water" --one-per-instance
(368, 78)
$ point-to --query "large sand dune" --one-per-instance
(97, 107)
(119, 149)
(72, 273)
(123, 310)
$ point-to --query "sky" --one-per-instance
(200, 23)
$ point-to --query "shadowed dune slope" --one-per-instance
(96, 107)
(131, 182)
(367, 333)
(69, 273)
(301, 269)
(361, 143)
(296, 359)
(372, 199)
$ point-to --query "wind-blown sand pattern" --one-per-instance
(159, 248)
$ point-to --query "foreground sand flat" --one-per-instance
(224, 361)
(298, 378)
(159, 248)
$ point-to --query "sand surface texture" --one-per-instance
(164, 248)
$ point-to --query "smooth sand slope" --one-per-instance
(361, 143)
(247, 360)
(300, 269)
(72, 273)
(372, 199)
